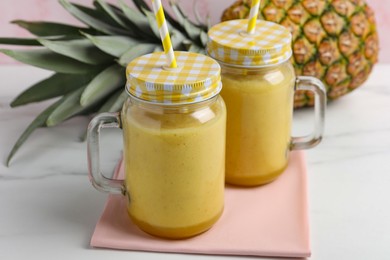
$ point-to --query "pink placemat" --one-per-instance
(271, 220)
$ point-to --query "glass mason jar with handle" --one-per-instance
(258, 88)
(174, 124)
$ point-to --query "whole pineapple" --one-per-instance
(333, 40)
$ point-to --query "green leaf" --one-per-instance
(195, 48)
(141, 5)
(192, 30)
(69, 107)
(177, 39)
(135, 52)
(81, 50)
(39, 121)
(56, 85)
(48, 28)
(115, 102)
(204, 38)
(104, 83)
(90, 20)
(96, 13)
(35, 42)
(114, 7)
(153, 23)
(138, 19)
(108, 9)
(49, 60)
(19, 41)
(175, 24)
(202, 51)
(178, 12)
(113, 45)
(158, 49)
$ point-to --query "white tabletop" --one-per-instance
(49, 209)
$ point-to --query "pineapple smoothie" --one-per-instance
(178, 197)
(174, 134)
(258, 88)
(259, 106)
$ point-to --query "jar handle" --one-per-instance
(99, 181)
(317, 87)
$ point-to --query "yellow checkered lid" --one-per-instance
(196, 78)
(229, 42)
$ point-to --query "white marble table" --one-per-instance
(48, 209)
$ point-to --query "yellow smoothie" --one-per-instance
(175, 165)
(260, 105)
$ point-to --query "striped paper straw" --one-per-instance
(253, 16)
(164, 33)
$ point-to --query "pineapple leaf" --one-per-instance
(49, 60)
(102, 85)
(192, 30)
(158, 49)
(98, 13)
(95, 23)
(115, 8)
(110, 11)
(178, 12)
(177, 39)
(203, 23)
(56, 85)
(195, 48)
(49, 29)
(69, 107)
(139, 20)
(39, 121)
(115, 102)
(204, 38)
(135, 52)
(19, 41)
(113, 45)
(141, 5)
(81, 50)
(152, 23)
(174, 23)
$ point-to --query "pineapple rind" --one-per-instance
(335, 40)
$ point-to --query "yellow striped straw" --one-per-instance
(164, 33)
(253, 16)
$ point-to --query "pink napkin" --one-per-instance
(271, 220)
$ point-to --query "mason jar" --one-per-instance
(174, 124)
(258, 88)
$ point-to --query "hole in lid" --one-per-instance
(246, 34)
(177, 69)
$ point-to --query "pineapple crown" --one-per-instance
(88, 61)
